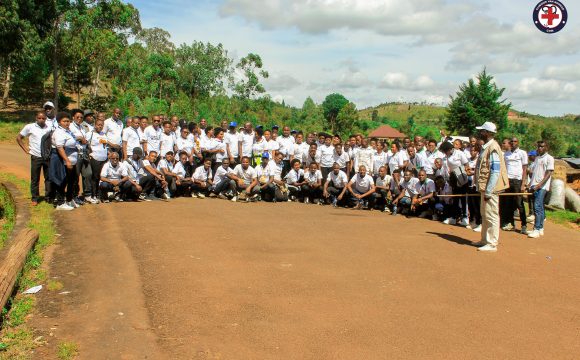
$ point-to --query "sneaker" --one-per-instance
(487, 248)
(541, 232)
(234, 199)
(306, 200)
(424, 215)
(334, 203)
(534, 234)
(394, 211)
(194, 195)
(142, 197)
(79, 201)
(110, 195)
(531, 218)
(480, 243)
(73, 204)
(212, 195)
(118, 198)
(150, 197)
(200, 195)
(222, 196)
(471, 225)
(449, 221)
(106, 201)
(64, 207)
(508, 227)
(464, 222)
(358, 206)
(477, 228)
(524, 230)
(92, 200)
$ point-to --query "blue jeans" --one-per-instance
(539, 212)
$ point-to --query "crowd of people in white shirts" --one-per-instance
(145, 159)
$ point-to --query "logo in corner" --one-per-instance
(550, 16)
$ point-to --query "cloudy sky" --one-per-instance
(375, 51)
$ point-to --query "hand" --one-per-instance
(178, 182)
(139, 188)
(203, 184)
(523, 188)
(240, 183)
(395, 202)
(412, 207)
(486, 197)
(221, 151)
(339, 197)
(231, 159)
(325, 193)
(248, 190)
(102, 141)
(69, 165)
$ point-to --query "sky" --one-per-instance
(375, 51)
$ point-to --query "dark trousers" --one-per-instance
(474, 203)
(325, 171)
(369, 199)
(511, 203)
(124, 188)
(147, 183)
(84, 171)
(459, 212)
(334, 192)
(311, 192)
(381, 197)
(285, 168)
(65, 192)
(37, 164)
(224, 185)
(199, 189)
(96, 167)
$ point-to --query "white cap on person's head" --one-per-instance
(48, 104)
(488, 126)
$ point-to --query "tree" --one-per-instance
(156, 40)
(249, 85)
(375, 115)
(346, 119)
(556, 144)
(476, 103)
(331, 106)
(202, 69)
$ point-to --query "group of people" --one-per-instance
(92, 158)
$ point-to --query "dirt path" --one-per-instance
(215, 280)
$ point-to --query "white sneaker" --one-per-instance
(531, 218)
(306, 200)
(472, 225)
(487, 248)
(193, 195)
(508, 227)
(541, 232)
(449, 221)
(534, 234)
(65, 207)
(477, 228)
(464, 222)
(200, 195)
(73, 204)
(234, 199)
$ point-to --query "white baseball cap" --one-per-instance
(48, 103)
(488, 126)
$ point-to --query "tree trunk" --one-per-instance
(96, 83)
(78, 89)
(6, 86)
(55, 75)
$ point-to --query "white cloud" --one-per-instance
(280, 82)
(541, 89)
(401, 81)
(569, 72)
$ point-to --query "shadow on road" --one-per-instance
(452, 238)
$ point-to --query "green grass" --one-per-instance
(7, 215)
(11, 124)
(67, 350)
(16, 339)
(563, 217)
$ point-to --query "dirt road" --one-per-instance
(209, 279)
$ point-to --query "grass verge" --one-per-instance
(16, 338)
(7, 215)
(67, 350)
(563, 217)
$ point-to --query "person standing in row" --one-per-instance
(34, 132)
(63, 159)
(540, 181)
(114, 128)
(516, 161)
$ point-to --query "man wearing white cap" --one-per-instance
(491, 178)
(50, 115)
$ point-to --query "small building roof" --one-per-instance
(385, 131)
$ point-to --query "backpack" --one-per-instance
(46, 145)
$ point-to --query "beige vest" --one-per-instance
(483, 170)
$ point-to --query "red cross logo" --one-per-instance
(550, 15)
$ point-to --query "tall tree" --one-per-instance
(249, 85)
(331, 106)
(475, 103)
(346, 120)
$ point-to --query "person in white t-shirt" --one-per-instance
(540, 181)
(183, 172)
(246, 180)
(335, 185)
(456, 164)
(295, 179)
(34, 132)
(167, 139)
(245, 141)
(362, 189)
(223, 186)
(286, 142)
(265, 176)
(153, 136)
(325, 156)
(342, 159)
(300, 147)
(232, 138)
(383, 189)
(63, 160)
(50, 114)
(131, 138)
(399, 159)
(473, 202)
(153, 174)
(167, 167)
(114, 179)
(83, 167)
(310, 157)
(424, 203)
(312, 189)
(431, 154)
(202, 180)
(404, 201)
(97, 141)
(516, 161)
(364, 156)
(380, 158)
(113, 128)
(442, 208)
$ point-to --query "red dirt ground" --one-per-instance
(210, 279)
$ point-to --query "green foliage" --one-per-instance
(331, 107)
(249, 85)
(67, 350)
(476, 103)
(346, 120)
(556, 143)
(7, 215)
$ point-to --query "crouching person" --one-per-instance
(362, 189)
(442, 203)
(182, 171)
(202, 180)
(312, 190)
(114, 180)
(382, 186)
(404, 201)
(223, 186)
(294, 180)
(140, 184)
(246, 181)
(335, 186)
(151, 174)
(424, 203)
(166, 167)
(280, 189)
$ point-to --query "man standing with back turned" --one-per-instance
(491, 179)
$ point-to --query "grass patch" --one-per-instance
(7, 215)
(11, 123)
(67, 350)
(563, 217)
(16, 339)
(54, 285)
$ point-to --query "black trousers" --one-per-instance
(474, 203)
(225, 184)
(147, 183)
(311, 192)
(96, 167)
(65, 192)
(334, 192)
(459, 212)
(84, 171)
(285, 167)
(124, 189)
(511, 203)
(37, 164)
(325, 171)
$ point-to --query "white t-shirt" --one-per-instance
(299, 149)
(135, 169)
(179, 170)
(113, 129)
(286, 146)
(337, 180)
(247, 141)
(312, 177)
(184, 144)
(397, 161)
(294, 176)
(166, 144)
(271, 147)
(514, 162)
(65, 139)
(34, 133)
(429, 165)
(341, 159)
(79, 132)
(221, 174)
(201, 174)
(455, 160)
(326, 155)
(542, 164)
(133, 139)
(247, 175)
(275, 170)
(379, 160)
(153, 137)
(113, 173)
(410, 186)
(215, 144)
(445, 191)
(386, 181)
(164, 164)
(263, 173)
(258, 147)
(232, 141)
(364, 156)
(99, 151)
(425, 188)
(362, 184)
